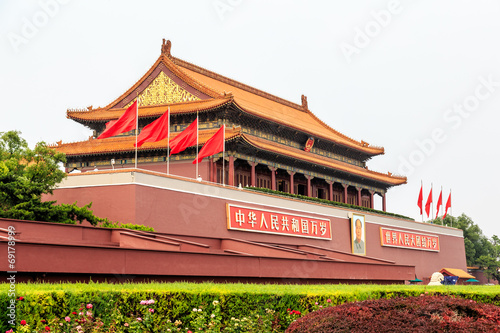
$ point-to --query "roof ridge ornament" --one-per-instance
(165, 47)
(304, 102)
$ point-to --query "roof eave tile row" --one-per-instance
(104, 115)
(125, 144)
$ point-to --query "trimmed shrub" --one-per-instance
(132, 226)
(412, 314)
(327, 202)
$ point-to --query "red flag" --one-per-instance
(420, 200)
(213, 145)
(110, 123)
(125, 123)
(186, 138)
(428, 203)
(156, 131)
(448, 205)
(439, 203)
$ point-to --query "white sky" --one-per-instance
(399, 86)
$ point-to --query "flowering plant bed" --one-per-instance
(157, 307)
(412, 314)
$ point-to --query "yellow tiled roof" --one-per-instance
(219, 89)
(457, 272)
(267, 106)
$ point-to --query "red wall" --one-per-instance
(182, 213)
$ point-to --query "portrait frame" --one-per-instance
(358, 248)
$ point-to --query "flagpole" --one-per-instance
(223, 150)
(136, 127)
(197, 133)
(432, 200)
(451, 210)
(441, 194)
(168, 142)
(422, 202)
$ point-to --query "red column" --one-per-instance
(358, 200)
(371, 199)
(273, 178)
(230, 175)
(309, 190)
(211, 170)
(291, 173)
(383, 202)
(253, 178)
(213, 174)
(330, 190)
(345, 192)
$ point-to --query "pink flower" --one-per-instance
(151, 301)
(68, 319)
(126, 324)
(9, 331)
(316, 303)
(328, 300)
(189, 332)
(47, 328)
(151, 310)
(139, 319)
(89, 314)
(89, 306)
(144, 302)
(23, 322)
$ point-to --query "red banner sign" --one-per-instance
(408, 240)
(279, 223)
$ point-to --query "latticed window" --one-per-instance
(338, 196)
(351, 199)
(243, 179)
(264, 182)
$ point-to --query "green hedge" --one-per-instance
(327, 202)
(175, 301)
(126, 226)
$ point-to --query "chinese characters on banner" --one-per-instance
(279, 223)
(408, 240)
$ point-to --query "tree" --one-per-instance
(476, 243)
(479, 250)
(490, 267)
(26, 174)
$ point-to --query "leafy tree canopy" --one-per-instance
(26, 174)
(479, 250)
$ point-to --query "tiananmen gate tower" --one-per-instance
(270, 142)
(288, 200)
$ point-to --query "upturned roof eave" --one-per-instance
(190, 107)
(387, 179)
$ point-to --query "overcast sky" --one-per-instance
(420, 78)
